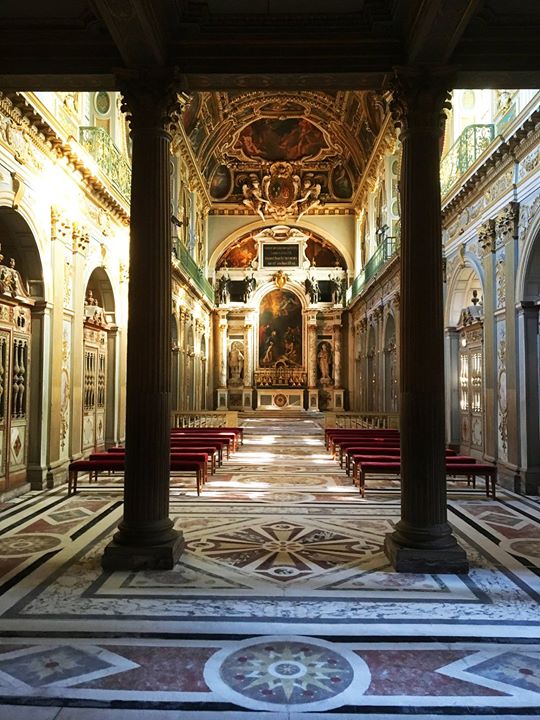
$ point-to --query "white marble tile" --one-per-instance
(27, 712)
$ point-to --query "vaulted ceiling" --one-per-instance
(325, 138)
(219, 44)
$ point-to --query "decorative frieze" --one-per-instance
(500, 278)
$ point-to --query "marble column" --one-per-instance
(146, 538)
(422, 541)
(312, 350)
(529, 394)
(247, 399)
(486, 240)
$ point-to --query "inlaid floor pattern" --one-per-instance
(283, 605)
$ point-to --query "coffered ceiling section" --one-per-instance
(282, 153)
(221, 44)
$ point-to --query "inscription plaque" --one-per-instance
(278, 255)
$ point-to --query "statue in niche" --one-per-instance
(249, 287)
(223, 289)
(236, 362)
(312, 289)
(253, 198)
(324, 359)
(337, 287)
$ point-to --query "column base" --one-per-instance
(426, 560)
(138, 557)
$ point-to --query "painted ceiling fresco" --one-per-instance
(243, 252)
(282, 153)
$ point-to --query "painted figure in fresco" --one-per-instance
(270, 349)
(325, 360)
(236, 362)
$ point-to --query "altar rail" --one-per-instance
(205, 418)
(361, 420)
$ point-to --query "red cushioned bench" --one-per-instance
(230, 433)
(331, 433)
(209, 448)
(343, 445)
(112, 464)
(470, 469)
(378, 450)
(229, 441)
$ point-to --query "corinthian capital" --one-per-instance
(152, 99)
(418, 99)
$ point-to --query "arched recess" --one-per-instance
(24, 346)
(464, 350)
(100, 364)
(391, 389)
(528, 326)
(256, 227)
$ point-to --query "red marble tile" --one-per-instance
(413, 672)
(171, 669)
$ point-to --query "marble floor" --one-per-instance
(283, 605)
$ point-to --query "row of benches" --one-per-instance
(192, 450)
(377, 452)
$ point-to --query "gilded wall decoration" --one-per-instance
(486, 236)
(65, 390)
(500, 278)
(68, 281)
(529, 162)
(502, 406)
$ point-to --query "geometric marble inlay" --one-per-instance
(28, 544)
(512, 668)
(60, 665)
(303, 673)
(525, 547)
(62, 516)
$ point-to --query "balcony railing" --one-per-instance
(464, 152)
(190, 268)
(108, 157)
(386, 250)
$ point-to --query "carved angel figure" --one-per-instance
(310, 195)
(253, 198)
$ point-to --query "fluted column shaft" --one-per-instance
(423, 540)
(145, 537)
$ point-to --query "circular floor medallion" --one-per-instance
(269, 673)
(17, 545)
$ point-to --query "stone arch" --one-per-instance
(259, 225)
(466, 278)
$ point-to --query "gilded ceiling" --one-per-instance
(282, 153)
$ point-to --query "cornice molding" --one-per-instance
(43, 137)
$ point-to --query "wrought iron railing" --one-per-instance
(204, 418)
(464, 152)
(190, 267)
(108, 157)
(384, 252)
(362, 420)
